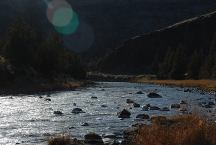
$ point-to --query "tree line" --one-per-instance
(24, 51)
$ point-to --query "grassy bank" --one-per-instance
(180, 130)
(208, 85)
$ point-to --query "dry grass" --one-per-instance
(181, 130)
(63, 140)
(208, 85)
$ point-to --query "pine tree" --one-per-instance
(21, 44)
(166, 66)
(194, 66)
(178, 64)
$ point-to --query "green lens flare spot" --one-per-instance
(62, 17)
(70, 28)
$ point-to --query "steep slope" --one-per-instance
(110, 21)
(167, 51)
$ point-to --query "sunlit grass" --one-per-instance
(209, 85)
(180, 130)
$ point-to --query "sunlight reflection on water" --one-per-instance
(30, 120)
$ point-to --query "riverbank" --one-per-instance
(40, 85)
(181, 129)
(207, 85)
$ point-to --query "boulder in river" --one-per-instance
(139, 92)
(124, 114)
(129, 101)
(93, 139)
(104, 106)
(175, 106)
(47, 99)
(187, 90)
(136, 105)
(183, 102)
(85, 124)
(164, 109)
(94, 97)
(146, 107)
(154, 95)
(58, 113)
(77, 111)
(142, 116)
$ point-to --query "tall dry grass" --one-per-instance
(63, 140)
(208, 85)
(181, 130)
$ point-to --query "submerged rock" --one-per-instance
(129, 101)
(154, 108)
(136, 105)
(124, 114)
(93, 139)
(154, 95)
(77, 111)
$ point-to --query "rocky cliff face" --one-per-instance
(145, 53)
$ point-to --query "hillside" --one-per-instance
(184, 50)
(106, 23)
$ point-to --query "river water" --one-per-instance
(29, 120)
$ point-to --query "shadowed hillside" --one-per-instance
(184, 50)
(110, 21)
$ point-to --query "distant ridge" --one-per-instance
(149, 52)
(112, 21)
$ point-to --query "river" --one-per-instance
(29, 119)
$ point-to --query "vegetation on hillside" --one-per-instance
(25, 53)
(186, 50)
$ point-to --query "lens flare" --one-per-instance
(70, 28)
(82, 40)
(61, 15)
